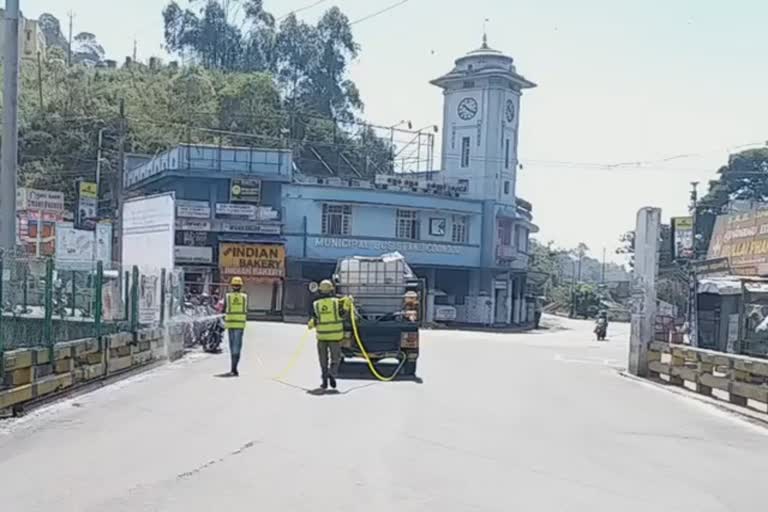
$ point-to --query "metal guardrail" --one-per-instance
(742, 380)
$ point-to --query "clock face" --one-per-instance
(467, 108)
(509, 111)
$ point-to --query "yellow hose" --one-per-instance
(365, 352)
(353, 312)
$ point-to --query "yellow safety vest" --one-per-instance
(328, 324)
(236, 306)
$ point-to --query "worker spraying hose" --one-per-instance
(327, 319)
(369, 312)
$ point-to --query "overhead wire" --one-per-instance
(378, 13)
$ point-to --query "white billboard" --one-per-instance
(80, 249)
(148, 243)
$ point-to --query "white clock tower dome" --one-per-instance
(481, 116)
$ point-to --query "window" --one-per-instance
(337, 219)
(465, 151)
(506, 188)
(506, 154)
(407, 224)
(460, 231)
(505, 233)
(521, 234)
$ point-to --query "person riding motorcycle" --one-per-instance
(601, 325)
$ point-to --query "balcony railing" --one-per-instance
(506, 252)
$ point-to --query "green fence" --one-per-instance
(42, 304)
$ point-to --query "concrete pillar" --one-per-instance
(510, 299)
(644, 288)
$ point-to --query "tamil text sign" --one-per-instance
(252, 260)
(385, 245)
(743, 239)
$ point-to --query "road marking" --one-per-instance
(589, 361)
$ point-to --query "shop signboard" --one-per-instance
(682, 233)
(87, 205)
(247, 211)
(193, 225)
(385, 245)
(193, 209)
(193, 254)
(742, 238)
(39, 200)
(245, 190)
(252, 260)
(251, 227)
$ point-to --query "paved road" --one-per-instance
(537, 422)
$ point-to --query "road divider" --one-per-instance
(30, 375)
(741, 380)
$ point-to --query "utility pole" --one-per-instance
(69, 46)
(602, 277)
(98, 166)
(572, 313)
(10, 143)
(134, 50)
(120, 181)
(40, 80)
(644, 289)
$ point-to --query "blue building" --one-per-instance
(462, 227)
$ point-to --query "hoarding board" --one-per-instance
(252, 260)
(148, 243)
(682, 232)
(742, 238)
(80, 249)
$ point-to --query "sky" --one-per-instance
(634, 83)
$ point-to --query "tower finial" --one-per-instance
(485, 33)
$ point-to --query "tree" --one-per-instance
(745, 178)
(87, 50)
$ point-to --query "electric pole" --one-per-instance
(118, 193)
(69, 46)
(134, 50)
(10, 143)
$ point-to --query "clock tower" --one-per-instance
(481, 117)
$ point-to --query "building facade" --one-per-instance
(31, 37)
(462, 228)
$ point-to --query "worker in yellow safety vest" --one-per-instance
(235, 308)
(326, 318)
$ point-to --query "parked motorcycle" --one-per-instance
(213, 335)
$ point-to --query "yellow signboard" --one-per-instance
(252, 260)
(89, 190)
(742, 238)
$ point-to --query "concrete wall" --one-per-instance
(31, 374)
